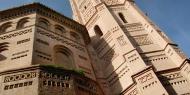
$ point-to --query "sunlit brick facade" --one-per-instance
(44, 53)
(131, 55)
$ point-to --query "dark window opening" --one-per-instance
(85, 7)
(122, 17)
(98, 31)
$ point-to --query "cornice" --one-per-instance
(186, 61)
(47, 68)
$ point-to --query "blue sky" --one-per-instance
(172, 16)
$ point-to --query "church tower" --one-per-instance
(131, 55)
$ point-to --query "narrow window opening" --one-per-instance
(85, 7)
(122, 17)
(98, 31)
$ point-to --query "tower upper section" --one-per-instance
(124, 38)
(83, 10)
(35, 34)
(114, 2)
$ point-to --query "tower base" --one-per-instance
(46, 80)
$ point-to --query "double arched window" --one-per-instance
(6, 27)
(98, 31)
(44, 23)
(122, 17)
(22, 23)
(64, 57)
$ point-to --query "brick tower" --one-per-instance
(130, 54)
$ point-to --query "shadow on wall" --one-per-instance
(106, 54)
(167, 85)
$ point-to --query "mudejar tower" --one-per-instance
(131, 55)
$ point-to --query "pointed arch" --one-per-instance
(98, 31)
(122, 17)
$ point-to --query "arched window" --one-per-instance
(75, 36)
(22, 23)
(6, 27)
(3, 46)
(63, 56)
(59, 29)
(98, 31)
(44, 23)
(122, 17)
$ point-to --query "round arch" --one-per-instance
(6, 27)
(44, 23)
(22, 22)
(59, 29)
(63, 57)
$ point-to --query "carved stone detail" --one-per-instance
(145, 78)
(121, 40)
(8, 36)
(134, 92)
(17, 77)
(112, 2)
(60, 39)
(143, 40)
